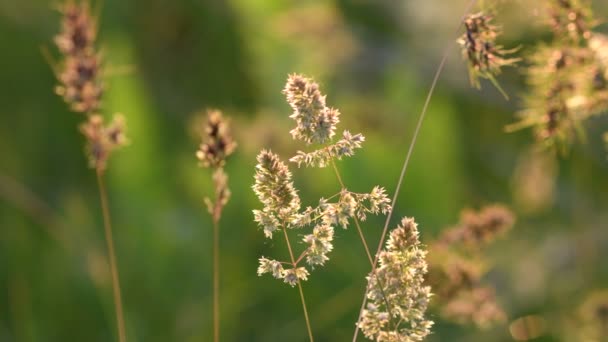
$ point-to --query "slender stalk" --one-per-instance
(107, 222)
(369, 256)
(293, 261)
(216, 281)
(407, 160)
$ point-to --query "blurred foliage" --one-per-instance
(375, 59)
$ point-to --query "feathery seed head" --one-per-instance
(571, 18)
(80, 83)
(485, 58)
(406, 235)
(102, 140)
(267, 220)
(218, 143)
(315, 123)
(322, 157)
(398, 281)
(293, 275)
(274, 187)
(480, 228)
(78, 29)
(271, 266)
(320, 243)
(477, 305)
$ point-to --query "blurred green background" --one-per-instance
(168, 60)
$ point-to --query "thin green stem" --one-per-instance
(216, 281)
(293, 260)
(406, 162)
(120, 321)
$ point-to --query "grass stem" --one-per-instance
(293, 260)
(120, 322)
(216, 281)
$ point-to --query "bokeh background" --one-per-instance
(166, 61)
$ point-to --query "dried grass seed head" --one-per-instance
(217, 144)
(80, 82)
(344, 147)
(477, 229)
(320, 244)
(78, 29)
(484, 56)
(479, 305)
(398, 281)
(571, 18)
(315, 122)
(103, 139)
(274, 187)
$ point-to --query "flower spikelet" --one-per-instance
(571, 18)
(375, 202)
(457, 267)
(267, 220)
(271, 266)
(477, 305)
(480, 228)
(315, 123)
(80, 83)
(293, 275)
(218, 143)
(320, 243)
(102, 139)
(567, 78)
(484, 57)
(274, 187)
(322, 157)
(398, 281)
(78, 29)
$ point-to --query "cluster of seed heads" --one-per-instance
(484, 56)
(568, 78)
(80, 77)
(397, 296)
(456, 266)
(103, 139)
(282, 210)
(80, 82)
(216, 146)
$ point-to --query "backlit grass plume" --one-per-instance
(457, 265)
(103, 139)
(570, 19)
(80, 82)
(567, 78)
(217, 145)
(315, 123)
(79, 77)
(282, 209)
(484, 56)
(397, 297)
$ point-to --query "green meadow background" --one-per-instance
(166, 61)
